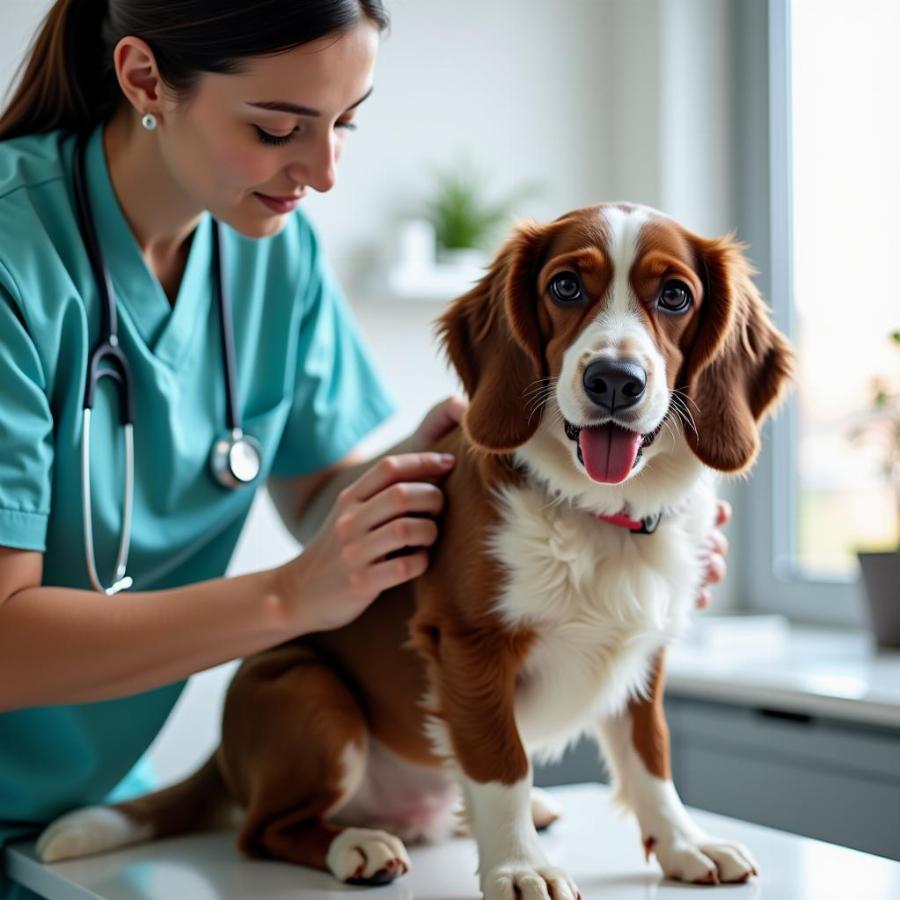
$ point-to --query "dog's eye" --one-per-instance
(675, 296)
(566, 288)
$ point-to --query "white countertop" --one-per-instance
(600, 849)
(818, 671)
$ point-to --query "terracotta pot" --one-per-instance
(881, 579)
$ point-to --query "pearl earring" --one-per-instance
(149, 121)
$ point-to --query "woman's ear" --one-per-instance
(138, 75)
(492, 338)
(738, 364)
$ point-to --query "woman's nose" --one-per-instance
(318, 168)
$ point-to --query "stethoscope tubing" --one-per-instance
(121, 581)
(235, 459)
(232, 414)
(108, 352)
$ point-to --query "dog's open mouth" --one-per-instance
(609, 452)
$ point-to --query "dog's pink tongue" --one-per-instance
(608, 452)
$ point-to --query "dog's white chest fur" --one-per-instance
(601, 600)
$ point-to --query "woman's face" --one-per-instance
(247, 146)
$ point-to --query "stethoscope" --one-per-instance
(235, 458)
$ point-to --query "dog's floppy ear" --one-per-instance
(492, 338)
(738, 363)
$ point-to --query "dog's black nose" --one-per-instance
(614, 383)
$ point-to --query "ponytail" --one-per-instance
(68, 80)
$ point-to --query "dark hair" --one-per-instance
(68, 80)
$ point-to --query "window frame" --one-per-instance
(770, 581)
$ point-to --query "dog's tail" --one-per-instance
(197, 803)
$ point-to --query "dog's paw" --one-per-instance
(522, 881)
(94, 829)
(704, 861)
(367, 856)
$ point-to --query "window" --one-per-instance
(817, 136)
(846, 296)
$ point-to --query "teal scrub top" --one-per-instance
(307, 392)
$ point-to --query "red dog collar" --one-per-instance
(647, 525)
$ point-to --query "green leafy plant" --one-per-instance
(462, 216)
(881, 426)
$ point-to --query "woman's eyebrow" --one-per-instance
(297, 110)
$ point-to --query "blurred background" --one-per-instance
(772, 118)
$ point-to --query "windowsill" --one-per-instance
(813, 670)
(435, 284)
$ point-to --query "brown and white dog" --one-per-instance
(613, 361)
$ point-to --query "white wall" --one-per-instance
(521, 88)
(596, 99)
(18, 21)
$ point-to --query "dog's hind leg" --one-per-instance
(294, 750)
(545, 810)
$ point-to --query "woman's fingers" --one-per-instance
(396, 535)
(403, 499)
(723, 512)
(715, 549)
(393, 469)
(439, 420)
(715, 569)
(395, 571)
(717, 542)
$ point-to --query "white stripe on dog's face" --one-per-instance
(618, 332)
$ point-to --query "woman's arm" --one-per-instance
(61, 645)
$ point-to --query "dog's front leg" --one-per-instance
(636, 746)
(475, 726)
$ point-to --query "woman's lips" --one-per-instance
(279, 204)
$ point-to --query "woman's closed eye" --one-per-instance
(267, 137)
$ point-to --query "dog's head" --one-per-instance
(612, 326)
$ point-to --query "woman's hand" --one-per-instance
(349, 561)
(438, 421)
(714, 549)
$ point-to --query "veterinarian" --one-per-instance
(171, 340)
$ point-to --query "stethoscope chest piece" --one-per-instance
(236, 459)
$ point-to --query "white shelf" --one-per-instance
(440, 283)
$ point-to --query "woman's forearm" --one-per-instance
(60, 645)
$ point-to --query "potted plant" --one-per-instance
(465, 222)
(881, 570)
